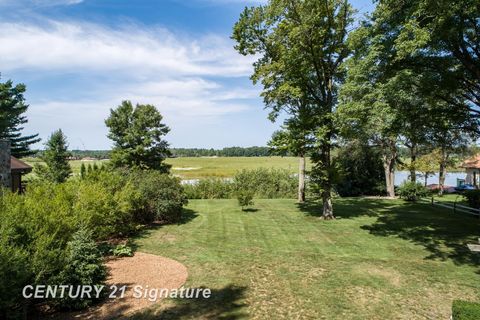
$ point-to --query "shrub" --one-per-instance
(473, 198)
(267, 183)
(122, 250)
(162, 196)
(464, 310)
(83, 266)
(211, 188)
(412, 191)
(245, 198)
(106, 202)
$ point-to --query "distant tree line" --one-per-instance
(225, 152)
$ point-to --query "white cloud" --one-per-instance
(87, 47)
(188, 79)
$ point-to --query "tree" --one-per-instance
(440, 38)
(301, 46)
(137, 133)
(12, 118)
(55, 156)
(296, 138)
(366, 110)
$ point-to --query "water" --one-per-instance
(450, 178)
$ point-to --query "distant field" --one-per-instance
(75, 164)
(224, 167)
(204, 167)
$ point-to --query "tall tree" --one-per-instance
(56, 169)
(440, 38)
(12, 119)
(367, 110)
(301, 46)
(137, 133)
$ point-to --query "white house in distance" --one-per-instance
(472, 169)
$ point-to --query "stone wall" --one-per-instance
(5, 174)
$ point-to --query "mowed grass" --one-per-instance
(381, 259)
(225, 167)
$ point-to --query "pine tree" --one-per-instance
(56, 155)
(12, 119)
(83, 171)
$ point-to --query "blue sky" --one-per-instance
(81, 58)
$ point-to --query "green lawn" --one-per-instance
(382, 259)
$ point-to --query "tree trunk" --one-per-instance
(301, 179)
(442, 171)
(426, 179)
(389, 156)
(327, 185)
(413, 158)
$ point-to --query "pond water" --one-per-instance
(450, 178)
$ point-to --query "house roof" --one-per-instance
(19, 166)
(473, 163)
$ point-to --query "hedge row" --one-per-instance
(262, 182)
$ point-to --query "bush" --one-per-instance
(36, 242)
(211, 188)
(464, 310)
(83, 266)
(245, 198)
(106, 203)
(122, 250)
(412, 191)
(161, 198)
(473, 198)
(267, 183)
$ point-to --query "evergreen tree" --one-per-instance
(138, 133)
(83, 171)
(12, 119)
(55, 156)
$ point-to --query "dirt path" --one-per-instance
(146, 270)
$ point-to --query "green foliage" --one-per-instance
(106, 202)
(122, 250)
(245, 198)
(55, 156)
(266, 183)
(83, 266)
(262, 182)
(473, 198)
(161, 197)
(360, 169)
(12, 119)
(137, 133)
(300, 46)
(225, 152)
(412, 191)
(464, 310)
(210, 188)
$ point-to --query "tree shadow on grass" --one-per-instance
(440, 231)
(225, 303)
(250, 210)
(347, 208)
